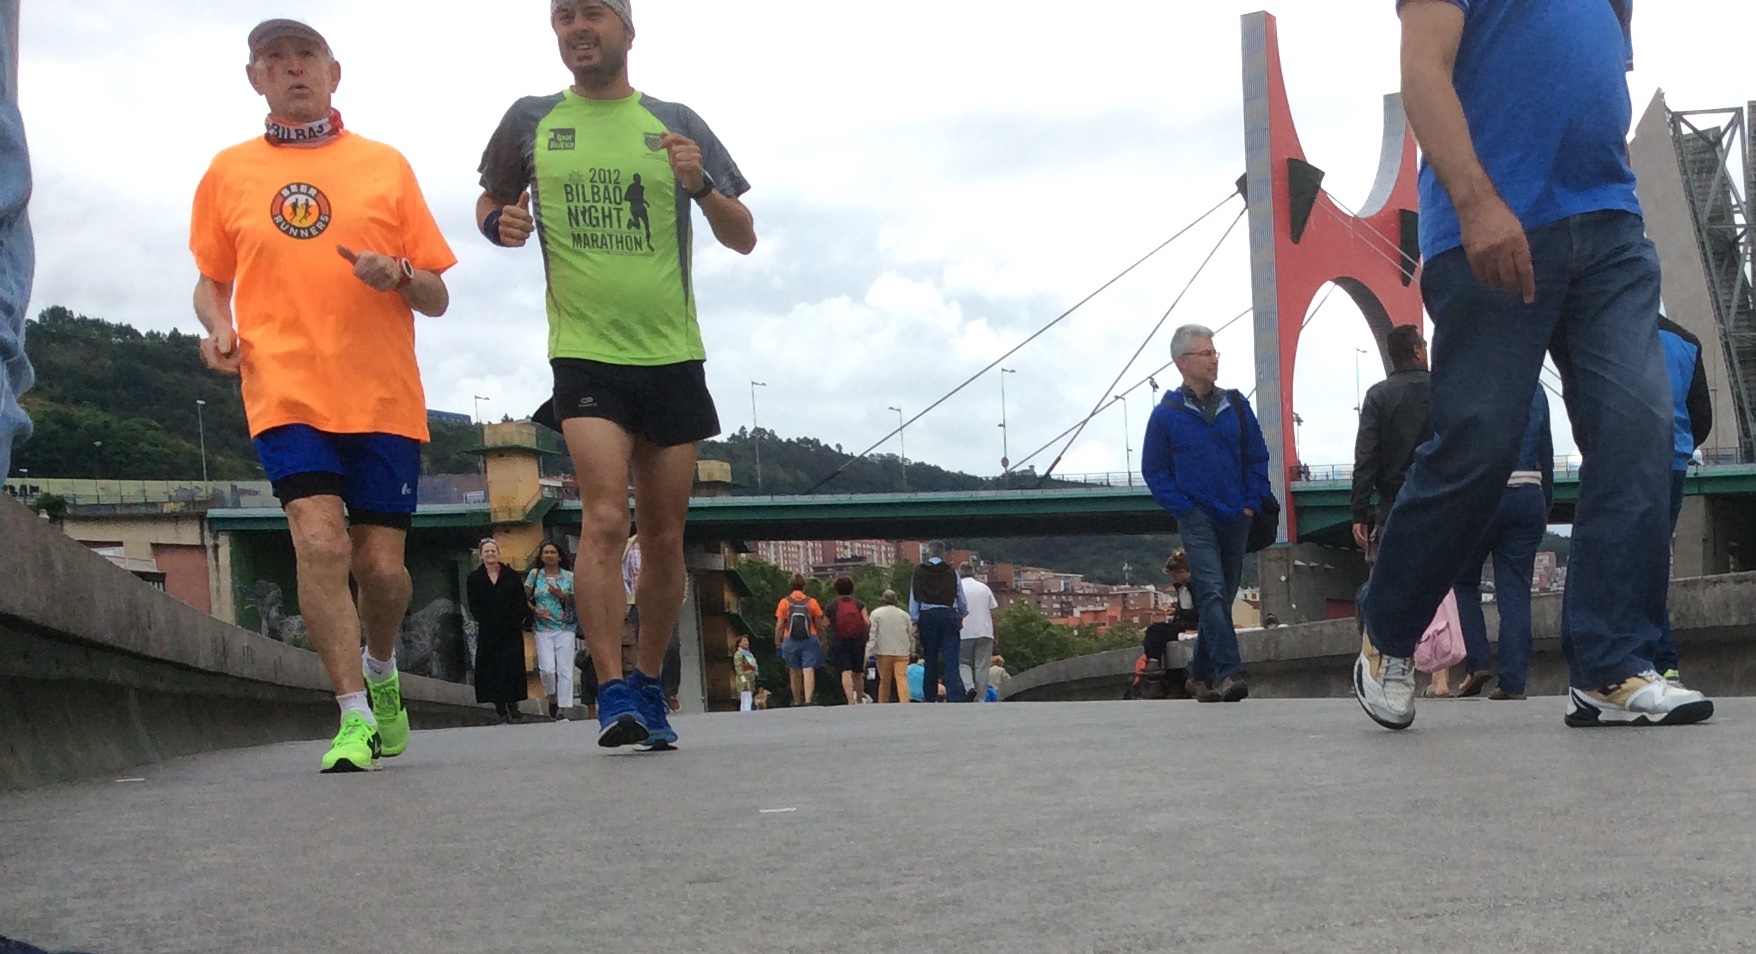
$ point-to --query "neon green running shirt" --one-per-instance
(613, 223)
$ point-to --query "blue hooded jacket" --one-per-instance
(1220, 467)
(1691, 402)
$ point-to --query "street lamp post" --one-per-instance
(1127, 437)
(902, 445)
(201, 428)
(1005, 435)
(97, 459)
(479, 400)
(1358, 353)
(756, 431)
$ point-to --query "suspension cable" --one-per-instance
(1016, 348)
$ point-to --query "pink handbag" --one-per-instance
(1441, 646)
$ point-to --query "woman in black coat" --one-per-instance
(497, 601)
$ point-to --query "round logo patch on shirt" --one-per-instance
(300, 210)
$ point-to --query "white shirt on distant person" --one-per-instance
(979, 624)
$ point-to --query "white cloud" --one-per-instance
(931, 185)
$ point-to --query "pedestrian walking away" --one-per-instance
(315, 248)
(798, 622)
(937, 606)
(1205, 461)
(851, 623)
(1511, 538)
(891, 643)
(502, 614)
(980, 627)
(625, 347)
(1533, 242)
(549, 587)
(1691, 423)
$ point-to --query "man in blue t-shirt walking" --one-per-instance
(1533, 242)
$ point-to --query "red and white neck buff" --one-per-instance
(320, 133)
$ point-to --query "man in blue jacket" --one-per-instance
(1511, 537)
(1206, 463)
(1691, 422)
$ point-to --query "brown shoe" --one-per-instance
(1473, 684)
(1193, 688)
(1501, 695)
(1207, 693)
(1234, 689)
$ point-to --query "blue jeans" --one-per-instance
(17, 258)
(1216, 560)
(941, 635)
(1596, 313)
(1663, 650)
(1512, 537)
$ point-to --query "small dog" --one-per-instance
(761, 698)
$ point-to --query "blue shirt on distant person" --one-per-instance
(1520, 65)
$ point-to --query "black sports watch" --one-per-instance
(706, 189)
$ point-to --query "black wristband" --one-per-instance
(491, 227)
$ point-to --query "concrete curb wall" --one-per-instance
(1714, 618)
(100, 672)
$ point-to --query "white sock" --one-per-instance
(379, 670)
(357, 702)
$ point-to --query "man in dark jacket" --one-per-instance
(1393, 423)
(1691, 422)
(1205, 461)
(936, 604)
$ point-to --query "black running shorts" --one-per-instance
(667, 404)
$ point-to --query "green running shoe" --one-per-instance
(356, 747)
(393, 719)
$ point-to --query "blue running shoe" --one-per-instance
(654, 712)
(619, 716)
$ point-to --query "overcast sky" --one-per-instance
(932, 182)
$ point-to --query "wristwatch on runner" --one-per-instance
(408, 273)
(706, 187)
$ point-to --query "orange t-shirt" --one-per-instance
(319, 347)
(811, 607)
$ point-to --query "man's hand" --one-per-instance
(1362, 533)
(685, 160)
(219, 350)
(378, 272)
(1499, 253)
(1250, 512)
(515, 223)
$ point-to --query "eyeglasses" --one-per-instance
(1209, 353)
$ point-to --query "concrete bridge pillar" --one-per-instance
(1715, 534)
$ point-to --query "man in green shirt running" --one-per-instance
(605, 177)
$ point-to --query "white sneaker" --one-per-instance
(1385, 686)
(1646, 699)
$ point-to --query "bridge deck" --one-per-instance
(1266, 826)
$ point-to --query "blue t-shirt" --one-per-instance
(1544, 89)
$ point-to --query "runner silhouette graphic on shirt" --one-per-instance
(636, 195)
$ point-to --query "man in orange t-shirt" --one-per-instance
(315, 248)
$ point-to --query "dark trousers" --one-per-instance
(1663, 650)
(941, 636)
(1597, 290)
(1511, 538)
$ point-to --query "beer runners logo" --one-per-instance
(300, 210)
(653, 140)
(560, 139)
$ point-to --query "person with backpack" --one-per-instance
(1205, 461)
(852, 623)
(936, 604)
(797, 621)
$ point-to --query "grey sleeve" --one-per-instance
(508, 164)
(714, 158)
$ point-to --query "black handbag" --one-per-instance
(1265, 525)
